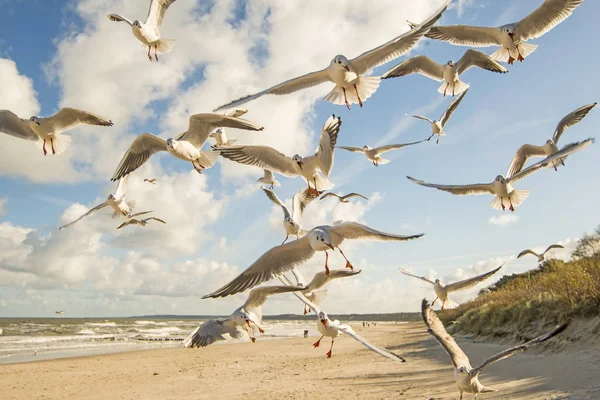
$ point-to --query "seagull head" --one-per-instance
(500, 179)
(171, 143)
(242, 319)
(35, 120)
(463, 370)
(323, 318)
(450, 63)
(437, 281)
(550, 142)
(298, 160)
(111, 197)
(509, 30)
(137, 24)
(319, 240)
(366, 147)
(340, 61)
(288, 220)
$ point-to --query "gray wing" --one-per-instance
(138, 153)
(525, 252)
(274, 262)
(395, 47)
(201, 125)
(300, 281)
(466, 283)
(301, 199)
(474, 58)
(571, 119)
(436, 328)
(119, 18)
(422, 117)
(465, 35)
(157, 11)
(417, 65)
(354, 230)
(207, 333)
(121, 190)
(68, 118)
(545, 17)
(553, 246)
(93, 210)
(140, 213)
(321, 278)
(130, 221)
(352, 149)
(451, 108)
(273, 197)
(258, 296)
(405, 272)
(287, 87)
(155, 219)
(523, 153)
(330, 194)
(236, 112)
(355, 195)
(300, 295)
(347, 329)
(459, 190)
(389, 147)
(260, 156)
(15, 126)
(522, 347)
(329, 135)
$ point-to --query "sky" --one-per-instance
(56, 53)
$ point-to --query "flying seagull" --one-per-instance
(374, 154)
(268, 179)
(132, 220)
(467, 377)
(59, 312)
(351, 84)
(540, 257)
(437, 127)
(448, 73)
(285, 257)
(149, 32)
(550, 147)
(501, 187)
(241, 323)
(185, 146)
(49, 130)
(306, 167)
(292, 222)
(442, 291)
(152, 181)
(219, 134)
(343, 199)
(511, 38)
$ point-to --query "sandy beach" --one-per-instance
(293, 369)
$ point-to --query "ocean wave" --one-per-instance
(150, 323)
(108, 323)
(161, 331)
(85, 332)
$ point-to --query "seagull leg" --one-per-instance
(446, 88)
(438, 140)
(511, 208)
(155, 55)
(434, 302)
(429, 138)
(304, 310)
(272, 186)
(330, 349)
(345, 98)
(286, 238)
(149, 56)
(562, 162)
(318, 342)
(520, 57)
(511, 60)
(443, 304)
(44, 147)
(348, 265)
(461, 395)
(52, 146)
(358, 96)
(502, 204)
(326, 266)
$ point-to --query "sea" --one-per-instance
(34, 339)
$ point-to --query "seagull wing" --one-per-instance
(352, 149)
(260, 156)
(201, 125)
(355, 195)
(93, 210)
(522, 347)
(459, 190)
(436, 328)
(390, 147)
(571, 119)
(130, 221)
(466, 35)
(155, 219)
(405, 272)
(271, 264)
(300, 281)
(207, 333)
(417, 65)
(329, 134)
(157, 11)
(395, 47)
(474, 58)
(422, 117)
(466, 283)
(300, 295)
(121, 187)
(545, 17)
(15, 126)
(119, 18)
(347, 329)
(321, 278)
(354, 230)
(140, 213)
(299, 202)
(236, 112)
(138, 153)
(523, 153)
(525, 252)
(553, 246)
(451, 108)
(258, 296)
(287, 87)
(273, 197)
(330, 194)
(68, 118)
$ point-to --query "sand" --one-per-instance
(292, 369)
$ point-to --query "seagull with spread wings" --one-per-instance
(149, 32)
(243, 322)
(49, 130)
(152, 181)
(374, 154)
(511, 38)
(220, 135)
(437, 127)
(442, 291)
(465, 376)
(292, 222)
(268, 179)
(351, 84)
(448, 73)
(343, 199)
(540, 257)
(306, 167)
(132, 220)
(285, 257)
(550, 147)
(185, 146)
(501, 188)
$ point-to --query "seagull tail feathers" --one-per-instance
(318, 296)
(60, 143)
(164, 46)
(366, 86)
(208, 158)
(500, 55)
(526, 49)
(458, 88)
(322, 183)
(382, 161)
(486, 389)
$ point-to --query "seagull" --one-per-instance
(442, 291)
(49, 129)
(313, 292)
(116, 201)
(152, 181)
(59, 312)
(511, 37)
(132, 220)
(186, 146)
(268, 179)
(149, 32)
(343, 199)
(241, 323)
(374, 154)
(292, 222)
(307, 167)
(540, 257)
(501, 187)
(285, 257)
(334, 329)
(467, 377)
(437, 127)
(448, 73)
(550, 147)
(351, 84)
(219, 135)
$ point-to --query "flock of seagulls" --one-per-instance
(352, 85)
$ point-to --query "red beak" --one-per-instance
(300, 164)
(324, 322)
(346, 68)
(512, 35)
(330, 246)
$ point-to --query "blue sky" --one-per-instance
(49, 41)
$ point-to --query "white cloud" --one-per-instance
(3, 204)
(504, 219)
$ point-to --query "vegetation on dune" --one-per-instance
(553, 293)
